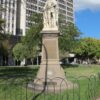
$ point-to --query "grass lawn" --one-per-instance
(83, 70)
(13, 84)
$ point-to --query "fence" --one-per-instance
(15, 88)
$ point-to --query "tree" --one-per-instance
(2, 36)
(33, 36)
(67, 41)
(1, 24)
(88, 48)
(97, 54)
(1, 29)
(5, 48)
(5, 41)
(20, 52)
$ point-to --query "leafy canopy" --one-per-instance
(68, 40)
(31, 40)
(88, 48)
(20, 51)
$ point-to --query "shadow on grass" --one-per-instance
(17, 72)
(70, 65)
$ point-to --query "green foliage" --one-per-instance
(88, 48)
(3, 50)
(1, 29)
(20, 51)
(5, 45)
(1, 23)
(29, 43)
(33, 36)
(97, 49)
(67, 41)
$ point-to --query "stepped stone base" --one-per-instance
(50, 88)
(50, 78)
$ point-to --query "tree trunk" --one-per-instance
(88, 61)
(37, 60)
(32, 61)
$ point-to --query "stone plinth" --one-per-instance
(50, 75)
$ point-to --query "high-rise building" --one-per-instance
(18, 13)
(9, 15)
(69, 11)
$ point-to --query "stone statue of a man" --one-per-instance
(50, 15)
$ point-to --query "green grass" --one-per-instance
(9, 90)
(82, 70)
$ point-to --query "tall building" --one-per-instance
(9, 15)
(70, 11)
(18, 13)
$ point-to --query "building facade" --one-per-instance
(18, 12)
(9, 15)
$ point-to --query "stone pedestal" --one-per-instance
(50, 65)
(50, 76)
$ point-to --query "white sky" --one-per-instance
(93, 5)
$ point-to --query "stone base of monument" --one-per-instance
(50, 87)
(51, 76)
(51, 81)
